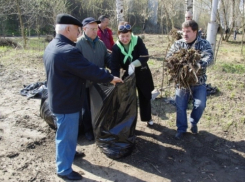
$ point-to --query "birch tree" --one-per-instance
(189, 5)
(227, 17)
(120, 10)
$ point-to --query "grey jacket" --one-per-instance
(206, 54)
(96, 53)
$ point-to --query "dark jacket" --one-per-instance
(67, 70)
(144, 80)
(201, 45)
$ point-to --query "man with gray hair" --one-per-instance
(188, 16)
(67, 71)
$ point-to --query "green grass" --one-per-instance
(233, 68)
(3, 49)
(36, 43)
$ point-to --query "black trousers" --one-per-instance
(145, 106)
(85, 117)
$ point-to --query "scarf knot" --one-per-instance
(132, 44)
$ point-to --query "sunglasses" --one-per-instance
(187, 17)
(125, 27)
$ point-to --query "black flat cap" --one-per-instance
(90, 20)
(67, 19)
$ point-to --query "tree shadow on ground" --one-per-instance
(201, 157)
(160, 108)
(105, 172)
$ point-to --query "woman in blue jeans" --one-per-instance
(191, 40)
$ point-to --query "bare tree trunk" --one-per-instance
(172, 22)
(189, 5)
(120, 11)
(196, 10)
(242, 26)
(232, 20)
(225, 21)
(153, 11)
(22, 27)
(167, 19)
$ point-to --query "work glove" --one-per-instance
(131, 69)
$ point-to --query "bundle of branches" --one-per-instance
(183, 67)
(7, 42)
(176, 35)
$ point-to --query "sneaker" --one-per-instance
(194, 129)
(150, 123)
(179, 135)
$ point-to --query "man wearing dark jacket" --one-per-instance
(192, 40)
(67, 70)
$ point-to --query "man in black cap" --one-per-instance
(67, 71)
(95, 51)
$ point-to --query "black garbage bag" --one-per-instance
(114, 116)
(45, 112)
(34, 90)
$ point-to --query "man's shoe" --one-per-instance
(89, 136)
(79, 155)
(72, 176)
(179, 135)
(194, 129)
(150, 123)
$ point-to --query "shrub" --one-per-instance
(48, 38)
(5, 42)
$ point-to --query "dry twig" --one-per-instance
(183, 67)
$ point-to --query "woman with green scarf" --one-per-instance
(130, 54)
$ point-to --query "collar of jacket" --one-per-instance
(90, 40)
(65, 39)
(198, 39)
(132, 44)
(104, 31)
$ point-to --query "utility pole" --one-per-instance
(213, 25)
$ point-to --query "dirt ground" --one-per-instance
(28, 148)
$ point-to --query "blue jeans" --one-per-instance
(66, 141)
(199, 94)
